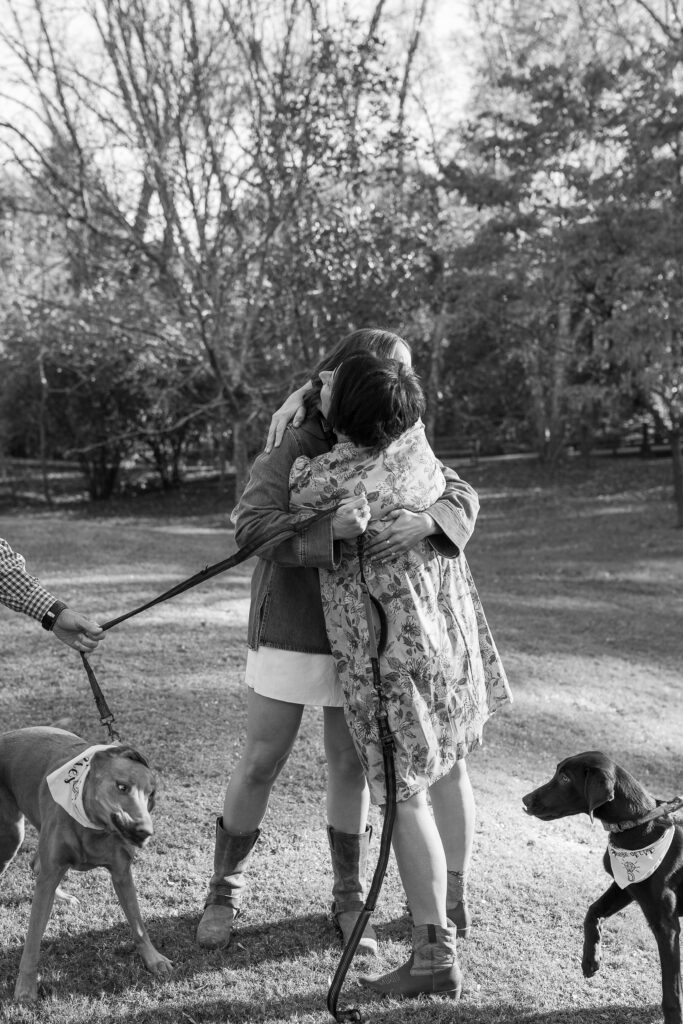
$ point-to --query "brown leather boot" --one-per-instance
(349, 853)
(457, 909)
(432, 969)
(230, 857)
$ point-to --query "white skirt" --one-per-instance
(294, 677)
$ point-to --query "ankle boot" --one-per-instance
(432, 969)
(230, 857)
(349, 853)
(457, 909)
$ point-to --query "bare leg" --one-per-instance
(455, 814)
(348, 797)
(272, 727)
(421, 860)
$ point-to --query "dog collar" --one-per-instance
(660, 811)
(67, 784)
(632, 866)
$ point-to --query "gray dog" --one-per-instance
(91, 806)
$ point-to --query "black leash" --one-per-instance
(106, 717)
(254, 548)
(352, 1013)
(385, 736)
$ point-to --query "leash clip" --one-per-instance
(108, 724)
(106, 717)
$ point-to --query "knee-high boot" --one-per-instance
(432, 968)
(349, 853)
(230, 857)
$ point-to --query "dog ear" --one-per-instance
(124, 750)
(598, 789)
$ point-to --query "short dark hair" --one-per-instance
(374, 400)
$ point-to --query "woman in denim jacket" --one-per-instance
(290, 665)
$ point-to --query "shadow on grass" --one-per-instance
(105, 960)
(423, 1010)
(103, 963)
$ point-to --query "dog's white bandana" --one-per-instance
(631, 866)
(66, 785)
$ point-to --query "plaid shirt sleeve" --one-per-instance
(18, 590)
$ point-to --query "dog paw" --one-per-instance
(590, 965)
(159, 965)
(66, 897)
(25, 992)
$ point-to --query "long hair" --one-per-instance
(367, 339)
(374, 400)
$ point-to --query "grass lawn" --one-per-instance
(582, 580)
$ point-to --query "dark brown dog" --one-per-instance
(117, 797)
(594, 784)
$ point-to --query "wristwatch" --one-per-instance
(52, 614)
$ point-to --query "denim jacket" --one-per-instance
(286, 608)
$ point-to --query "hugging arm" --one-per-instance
(292, 410)
(448, 523)
(455, 514)
(263, 509)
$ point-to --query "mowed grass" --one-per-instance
(582, 580)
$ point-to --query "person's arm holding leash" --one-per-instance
(22, 592)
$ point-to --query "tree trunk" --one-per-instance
(101, 474)
(535, 381)
(42, 431)
(677, 463)
(557, 419)
(434, 376)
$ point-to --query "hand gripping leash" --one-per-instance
(254, 548)
(387, 741)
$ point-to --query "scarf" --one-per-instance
(67, 784)
(632, 866)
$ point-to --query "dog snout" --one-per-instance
(136, 831)
(542, 802)
(141, 834)
(529, 802)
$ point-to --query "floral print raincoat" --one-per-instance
(441, 674)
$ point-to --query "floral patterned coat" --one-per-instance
(441, 674)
